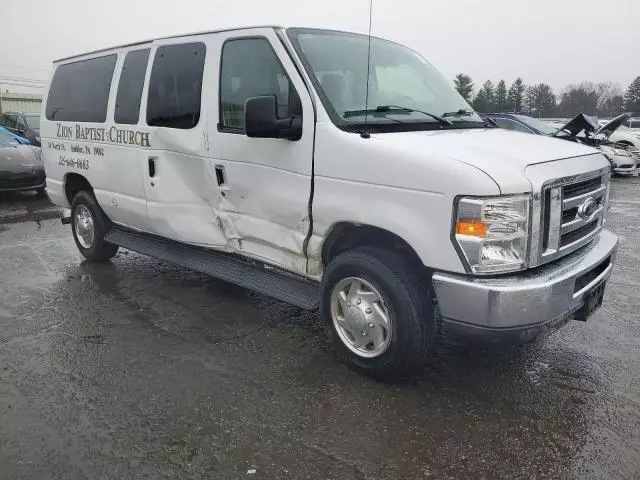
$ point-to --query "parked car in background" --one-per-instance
(624, 157)
(26, 125)
(18, 138)
(522, 123)
(633, 122)
(21, 166)
(624, 134)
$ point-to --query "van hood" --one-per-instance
(501, 154)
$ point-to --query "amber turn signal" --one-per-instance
(473, 228)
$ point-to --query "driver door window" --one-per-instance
(250, 68)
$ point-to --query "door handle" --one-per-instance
(220, 175)
(152, 167)
(221, 180)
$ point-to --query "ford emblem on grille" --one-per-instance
(588, 208)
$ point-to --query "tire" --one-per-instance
(407, 298)
(93, 248)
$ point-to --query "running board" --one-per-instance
(253, 276)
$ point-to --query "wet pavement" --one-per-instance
(139, 370)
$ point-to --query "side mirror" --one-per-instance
(261, 120)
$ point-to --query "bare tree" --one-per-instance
(606, 91)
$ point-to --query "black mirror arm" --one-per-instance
(290, 128)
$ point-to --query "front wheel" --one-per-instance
(378, 312)
(89, 225)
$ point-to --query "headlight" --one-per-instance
(493, 233)
(37, 152)
(621, 152)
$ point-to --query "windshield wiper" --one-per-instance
(458, 113)
(395, 109)
(487, 121)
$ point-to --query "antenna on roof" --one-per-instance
(364, 133)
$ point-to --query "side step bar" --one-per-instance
(253, 276)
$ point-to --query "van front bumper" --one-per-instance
(520, 307)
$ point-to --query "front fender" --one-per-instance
(422, 219)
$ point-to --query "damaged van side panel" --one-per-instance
(181, 193)
(262, 184)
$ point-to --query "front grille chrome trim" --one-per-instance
(578, 200)
(559, 216)
(580, 222)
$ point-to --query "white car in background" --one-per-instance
(622, 151)
(625, 135)
(633, 122)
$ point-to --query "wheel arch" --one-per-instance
(74, 183)
(344, 236)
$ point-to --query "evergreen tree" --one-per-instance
(485, 101)
(632, 97)
(501, 97)
(464, 86)
(515, 97)
(540, 100)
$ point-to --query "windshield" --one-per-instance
(33, 121)
(540, 125)
(7, 140)
(398, 77)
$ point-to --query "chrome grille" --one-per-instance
(572, 214)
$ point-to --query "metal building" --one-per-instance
(20, 102)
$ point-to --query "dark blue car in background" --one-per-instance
(522, 123)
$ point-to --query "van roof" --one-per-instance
(71, 57)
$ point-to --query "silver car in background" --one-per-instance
(21, 166)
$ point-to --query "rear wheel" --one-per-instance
(89, 225)
(378, 312)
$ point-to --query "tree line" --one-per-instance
(604, 99)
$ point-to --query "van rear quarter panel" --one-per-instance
(99, 152)
(179, 202)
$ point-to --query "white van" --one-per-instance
(248, 154)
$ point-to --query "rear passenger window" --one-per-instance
(175, 86)
(79, 91)
(250, 68)
(130, 87)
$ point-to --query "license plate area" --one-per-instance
(592, 301)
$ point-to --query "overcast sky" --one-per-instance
(552, 41)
